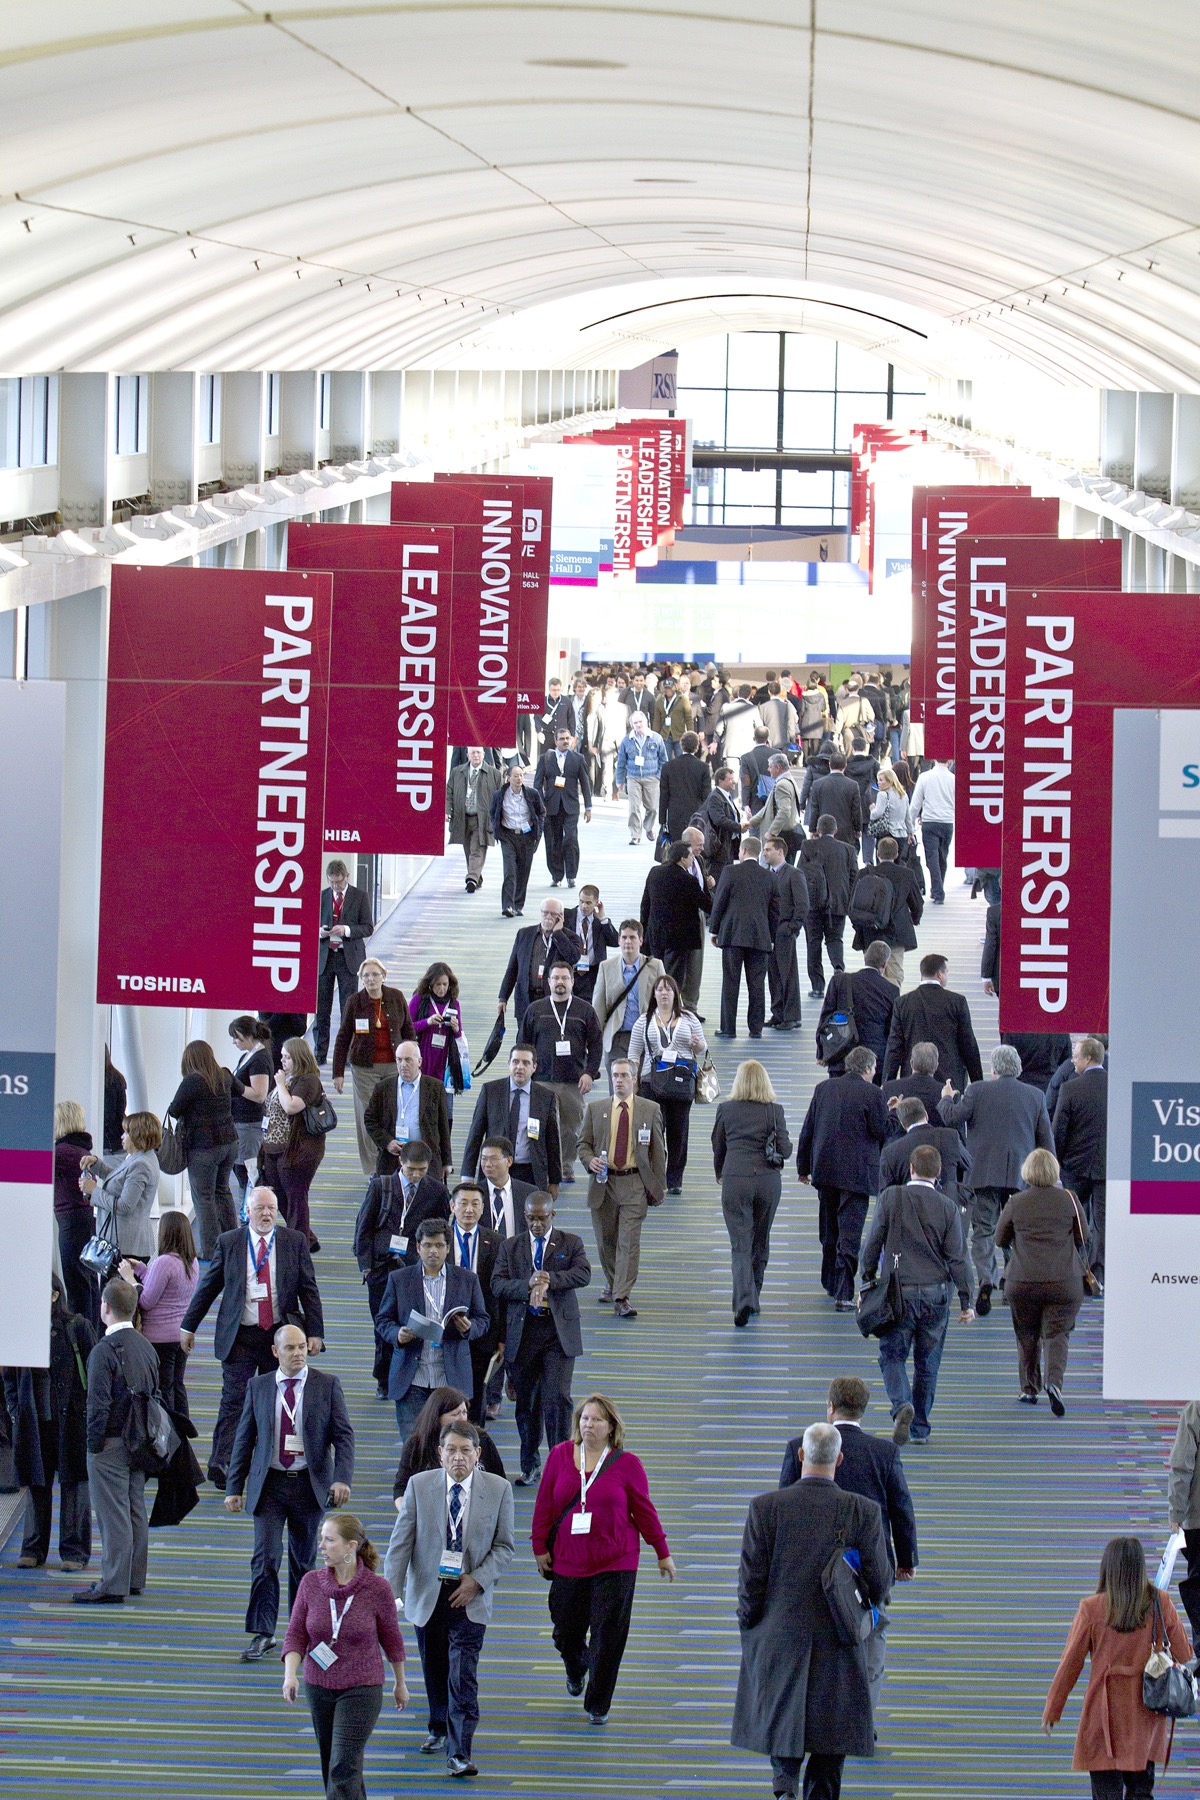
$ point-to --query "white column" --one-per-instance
(173, 445)
(348, 421)
(300, 408)
(85, 444)
(243, 426)
(385, 400)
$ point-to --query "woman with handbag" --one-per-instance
(437, 1021)
(1119, 1738)
(891, 815)
(666, 1044)
(750, 1147)
(375, 1022)
(165, 1288)
(250, 1083)
(73, 1216)
(202, 1104)
(1045, 1274)
(124, 1196)
(291, 1152)
(593, 1508)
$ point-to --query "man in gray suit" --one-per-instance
(802, 1691)
(451, 1542)
(1005, 1119)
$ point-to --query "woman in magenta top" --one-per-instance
(344, 1617)
(437, 1020)
(166, 1286)
(589, 1544)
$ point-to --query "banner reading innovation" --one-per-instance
(534, 495)
(389, 695)
(214, 788)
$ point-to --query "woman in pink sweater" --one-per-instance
(166, 1287)
(345, 1614)
(593, 1509)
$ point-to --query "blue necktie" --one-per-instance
(454, 1528)
(539, 1251)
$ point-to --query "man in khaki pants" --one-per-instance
(622, 1144)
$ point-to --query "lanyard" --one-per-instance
(260, 1262)
(290, 1412)
(336, 1618)
(561, 1023)
(586, 1480)
(404, 1102)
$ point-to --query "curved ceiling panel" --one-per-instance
(199, 183)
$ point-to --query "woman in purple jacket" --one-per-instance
(437, 1020)
(167, 1285)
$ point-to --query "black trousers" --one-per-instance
(1122, 1784)
(336, 970)
(784, 976)
(343, 1720)
(562, 845)
(172, 1364)
(285, 1500)
(822, 1775)
(1189, 1587)
(591, 1615)
(1092, 1196)
(541, 1377)
(841, 1216)
(74, 1508)
(677, 1116)
(82, 1288)
(449, 1643)
(377, 1282)
(516, 854)
(735, 960)
(250, 1355)
(824, 928)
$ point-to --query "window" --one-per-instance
(326, 393)
(28, 421)
(210, 409)
(131, 435)
(274, 382)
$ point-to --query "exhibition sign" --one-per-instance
(214, 788)
(536, 499)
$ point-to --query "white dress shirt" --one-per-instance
(295, 1425)
(250, 1310)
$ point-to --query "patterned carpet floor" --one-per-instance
(1013, 1506)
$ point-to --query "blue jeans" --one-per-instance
(894, 741)
(923, 1331)
(936, 839)
(407, 1408)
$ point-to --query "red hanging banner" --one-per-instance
(532, 498)
(987, 568)
(389, 697)
(214, 787)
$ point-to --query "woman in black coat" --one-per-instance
(48, 1408)
(420, 1449)
(750, 1184)
(73, 1213)
(900, 932)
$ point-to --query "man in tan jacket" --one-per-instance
(623, 1146)
(623, 988)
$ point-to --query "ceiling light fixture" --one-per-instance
(572, 62)
(666, 180)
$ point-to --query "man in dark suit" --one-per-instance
(505, 1193)
(536, 1276)
(435, 1290)
(895, 1160)
(844, 1130)
(475, 1245)
(783, 972)
(829, 867)
(121, 1365)
(799, 1684)
(292, 1457)
(1005, 1119)
(932, 1014)
(410, 1106)
(837, 796)
(869, 1466)
(723, 818)
(525, 1112)
(922, 1084)
(535, 949)
(385, 1232)
(596, 933)
(346, 924)
(683, 786)
(1081, 1139)
(517, 817)
(263, 1272)
(871, 997)
(562, 781)
(754, 769)
(1041, 1052)
(674, 906)
(557, 715)
(744, 917)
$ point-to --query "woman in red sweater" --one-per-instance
(593, 1508)
(344, 1615)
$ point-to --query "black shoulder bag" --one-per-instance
(548, 1574)
(850, 1605)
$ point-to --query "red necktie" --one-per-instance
(337, 909)
(266, 1308)
(621, 1153)
(286, 1425)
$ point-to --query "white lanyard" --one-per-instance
(561, 1023)
(289, 1412)
(336, 1618)
(586, 1480)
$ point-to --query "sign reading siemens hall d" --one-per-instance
(1164, 1162)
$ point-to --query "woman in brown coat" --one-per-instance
(1119, 1740)
(1043, 1282)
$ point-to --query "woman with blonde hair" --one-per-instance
(1043, 1282)
(891, 815)
(593, 1508)
(750, 1147)
(291, 1154)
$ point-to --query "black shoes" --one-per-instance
(575, 1686)
(90, 1597)
(257, 1648)
(433, 1743)
(597, 1718)
(843, 1306)
(1054, 1396)
(743, 1316)
(216, 1475)
(983, 1301)
(902, 1424)
(1027, 1397)
(528, 1477)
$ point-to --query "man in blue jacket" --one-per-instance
(641, 759)
(436, 1291)
(844, 1130)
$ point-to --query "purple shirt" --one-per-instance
(427, 1025)
(167, 1289)
(369, 1626)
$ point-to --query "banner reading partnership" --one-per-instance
(214, 789)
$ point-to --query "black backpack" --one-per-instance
(872, 902)
(701, 822)
(818, 886)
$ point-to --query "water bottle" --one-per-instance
(602, 1177)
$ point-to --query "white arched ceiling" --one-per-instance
(198, 183)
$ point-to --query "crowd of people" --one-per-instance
(777, 814)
